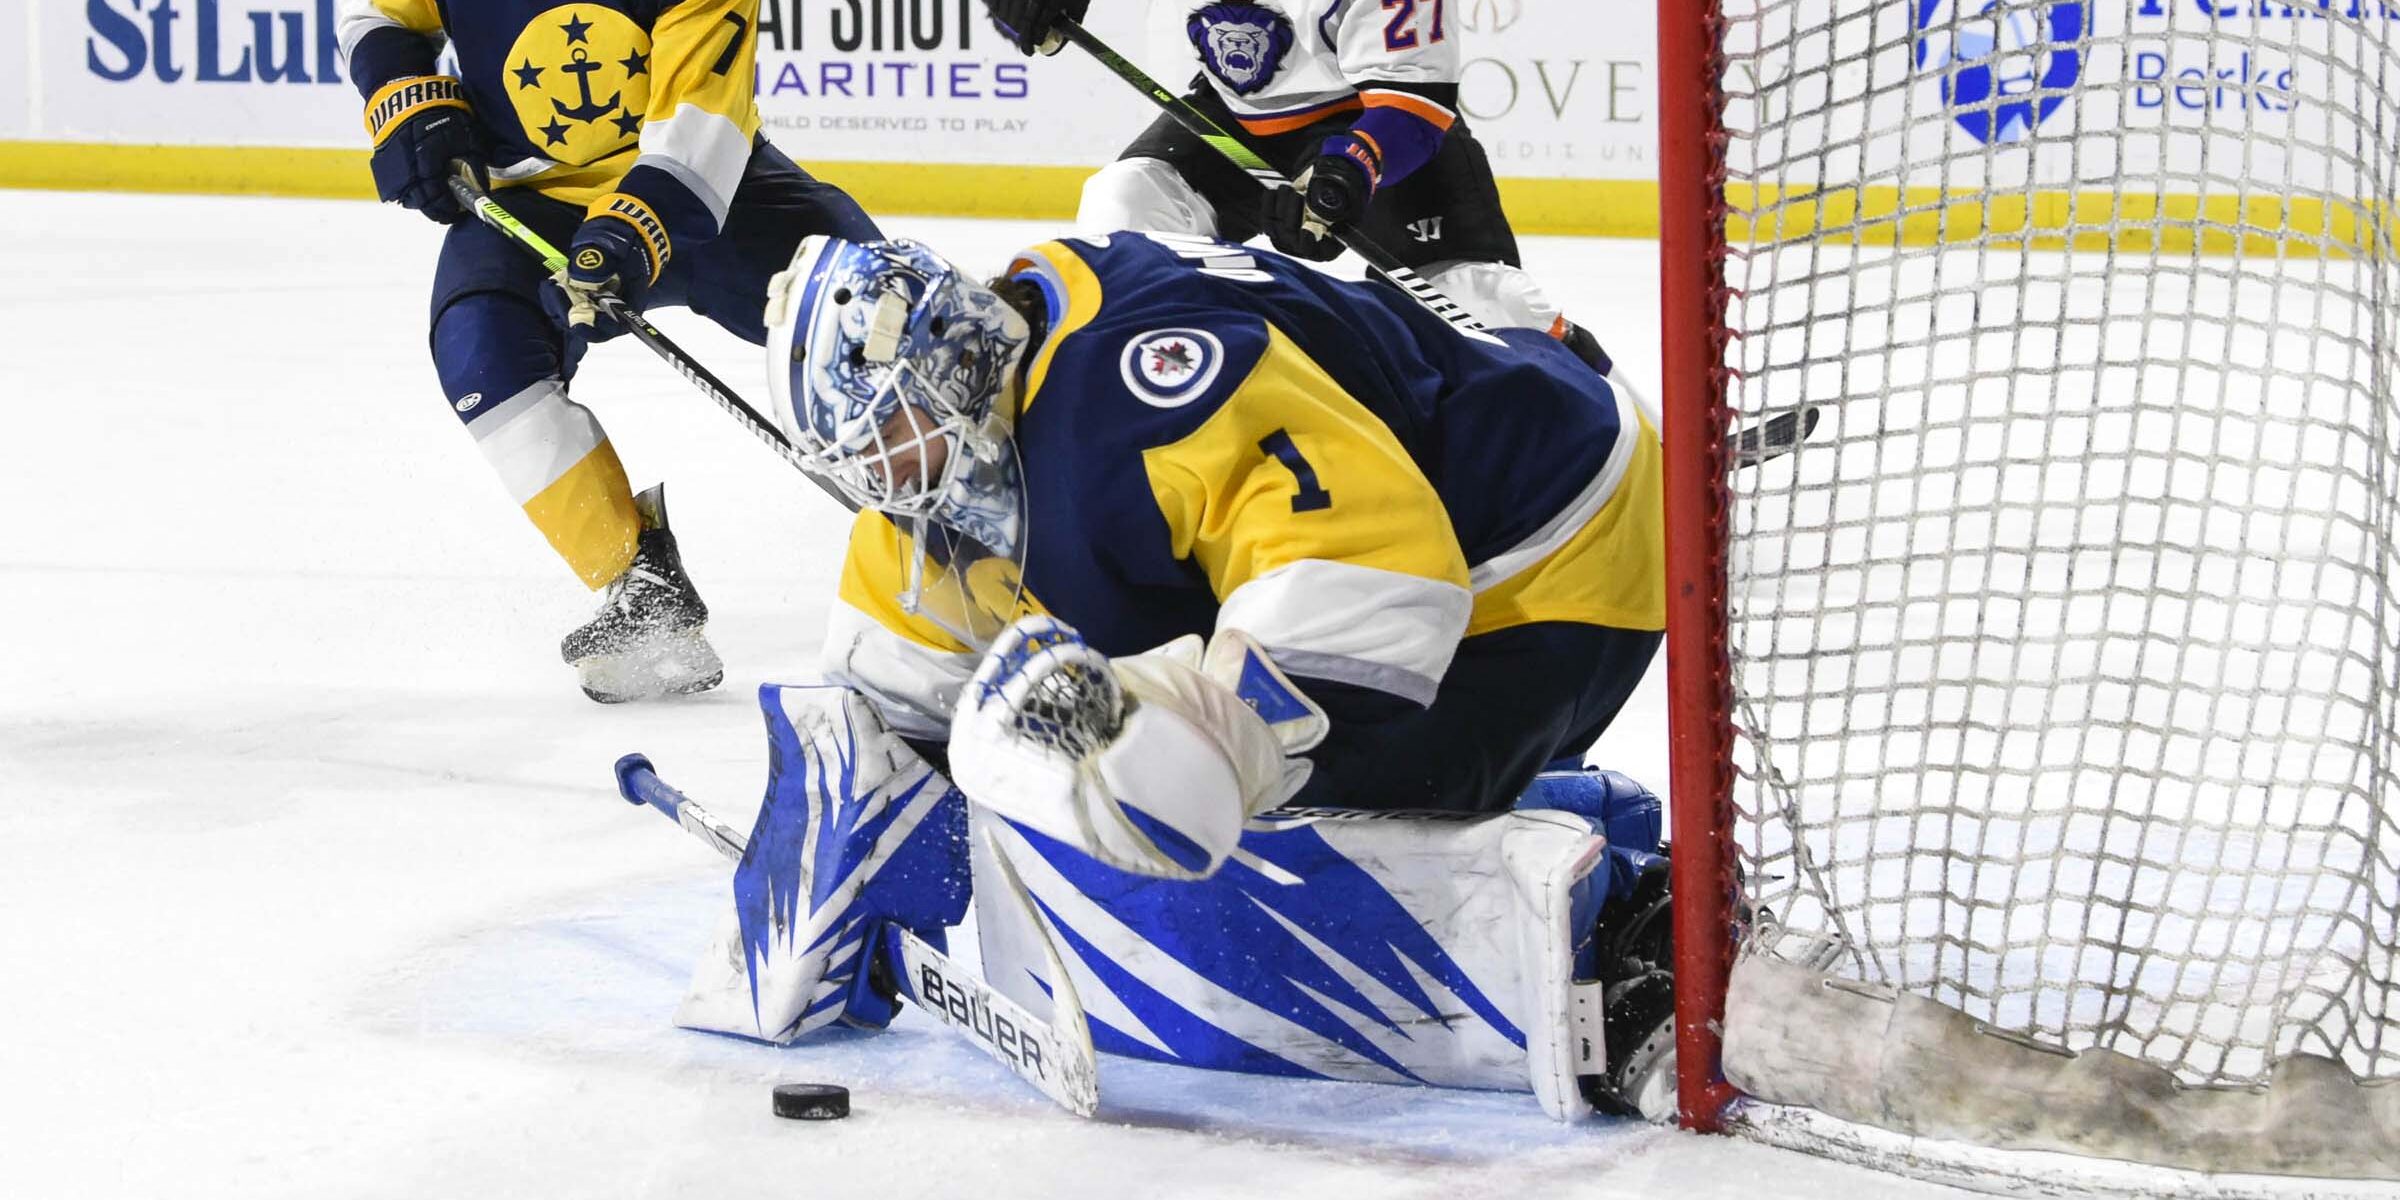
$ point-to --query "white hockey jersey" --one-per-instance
(1282, 65)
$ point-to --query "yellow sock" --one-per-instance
(554, 458)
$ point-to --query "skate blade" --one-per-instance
(678, 664)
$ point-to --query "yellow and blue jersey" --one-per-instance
(650, 98)
(1216, 438)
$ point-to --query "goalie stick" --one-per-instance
(1055, 1056)
(490, 211)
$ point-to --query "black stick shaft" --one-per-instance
(493, 214)
(1267, 177)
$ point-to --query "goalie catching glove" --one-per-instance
(1150, 764)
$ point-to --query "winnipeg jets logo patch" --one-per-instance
(1169, 368)
(1242, 44)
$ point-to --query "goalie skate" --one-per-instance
(647, 639)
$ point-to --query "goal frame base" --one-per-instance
(2023, 1173)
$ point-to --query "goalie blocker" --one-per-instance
(1520, 951)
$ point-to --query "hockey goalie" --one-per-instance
(1229, 636)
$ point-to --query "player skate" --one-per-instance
(647, 639)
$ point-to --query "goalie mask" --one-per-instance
(891, 371)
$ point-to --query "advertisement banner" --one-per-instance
(2170, 94)
(930, 81)
(194, 72)
(1558, 89)
(911, 103)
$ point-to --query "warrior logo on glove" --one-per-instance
(579, 79)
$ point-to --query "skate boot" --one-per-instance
(647, 639)
(1633, 951)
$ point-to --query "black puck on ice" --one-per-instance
(812, 1101)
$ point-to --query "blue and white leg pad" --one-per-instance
(856, 830)
(1415, 948)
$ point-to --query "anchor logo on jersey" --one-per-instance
(1242, 44)
(579, 79)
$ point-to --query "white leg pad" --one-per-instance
(1385, 947)
(1145, 194)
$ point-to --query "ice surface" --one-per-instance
(312, 881)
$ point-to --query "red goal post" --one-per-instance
(2036, 724)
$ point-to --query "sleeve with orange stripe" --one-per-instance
(1403, 59)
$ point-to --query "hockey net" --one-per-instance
(2037, 719)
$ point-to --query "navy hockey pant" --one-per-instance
(1512, 701)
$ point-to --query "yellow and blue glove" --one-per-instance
(620, 250)
(420, 124)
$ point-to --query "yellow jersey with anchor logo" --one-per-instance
(574, 97)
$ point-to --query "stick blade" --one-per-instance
(1772, 438)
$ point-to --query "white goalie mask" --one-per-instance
(892, 372)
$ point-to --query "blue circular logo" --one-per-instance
(2003, 68)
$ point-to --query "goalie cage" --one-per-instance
(2034, 722)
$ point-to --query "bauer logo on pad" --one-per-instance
(1169, 368)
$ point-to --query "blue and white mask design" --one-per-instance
(1241, 44)
(890, 371)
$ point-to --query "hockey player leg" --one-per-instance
(649, 637)
(856, 831)
(502, 369)
(777, 205)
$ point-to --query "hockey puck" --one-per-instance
(812, 1101)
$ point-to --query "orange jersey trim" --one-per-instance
(1270, 126)
(1416, 106)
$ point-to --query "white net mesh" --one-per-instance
(2065, 657)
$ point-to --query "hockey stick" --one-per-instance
(1270, 179)
(1747, 448)
(1055, 1056)
(1772, 438)
(480, 202)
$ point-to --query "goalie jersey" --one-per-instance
(648, 97)
(1217, 439)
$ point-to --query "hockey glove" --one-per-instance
(620, 250)
(1149, 764)
(1028, 22)
(1328, 197)
(418, 125)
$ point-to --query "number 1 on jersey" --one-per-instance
(1311, 496)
